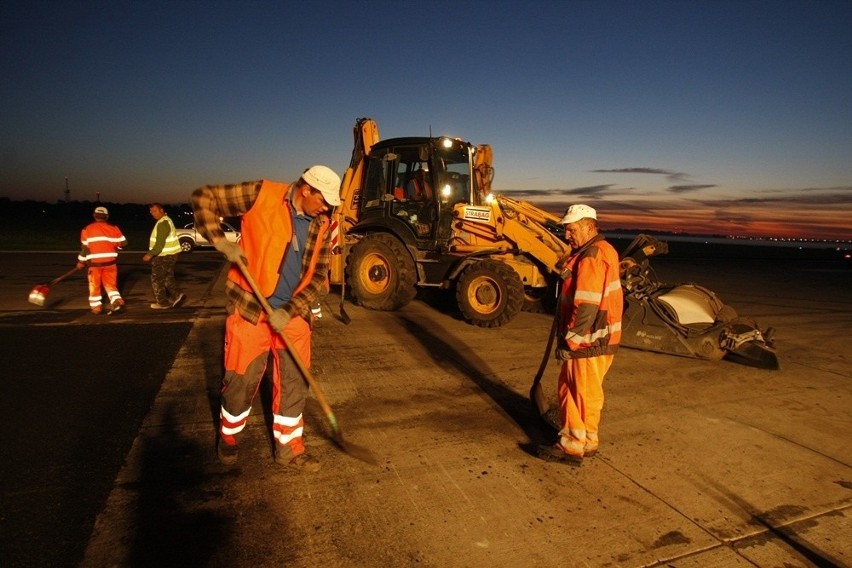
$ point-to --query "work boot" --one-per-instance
(227, 452)
(116, 306)
(180, 298)
(557, 453)
(302, 462)
(156, 306)
(97, 310)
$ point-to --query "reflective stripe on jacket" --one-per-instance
(591, 302)
(101, 242)
(172, 245)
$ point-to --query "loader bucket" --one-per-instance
(755, 354)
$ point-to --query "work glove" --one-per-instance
(278, 319)
(562, 354)
(232, 251)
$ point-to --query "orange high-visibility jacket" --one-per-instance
(591, 302)
(101, 242)
(267, 229)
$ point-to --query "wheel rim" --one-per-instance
(375, 273)
(484, 295)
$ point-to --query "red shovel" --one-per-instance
(40, 292)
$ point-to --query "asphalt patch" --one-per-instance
(73, 400)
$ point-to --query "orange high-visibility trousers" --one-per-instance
(247, 350)
(581, 399)
(106, 276)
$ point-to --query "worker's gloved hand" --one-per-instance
(562, 354)
(278, 319)
(232, 251)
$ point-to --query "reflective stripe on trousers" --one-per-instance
(581, 399)
(247, 349)
(106, 276)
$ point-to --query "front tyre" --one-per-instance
(381, 273)
(186, 244)
(542, 300)
(489, 293)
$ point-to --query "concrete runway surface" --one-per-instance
(701, 463)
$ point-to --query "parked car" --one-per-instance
(190, 238)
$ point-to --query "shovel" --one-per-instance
(539, 403)
(357, 452)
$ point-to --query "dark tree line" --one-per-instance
(42, 225)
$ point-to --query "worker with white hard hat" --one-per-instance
(588, 329)
(100, 242)
(285, 244)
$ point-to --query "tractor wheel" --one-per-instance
(381, 273)
(489, 293)
(541, 300)
(186, 245)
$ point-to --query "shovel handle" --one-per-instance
(546, 356)
(306, 373)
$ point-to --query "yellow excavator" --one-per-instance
(418, 212)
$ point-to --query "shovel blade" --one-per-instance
(357, 452)
(538, 400)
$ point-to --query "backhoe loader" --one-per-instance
(418, 212)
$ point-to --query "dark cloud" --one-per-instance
(672, 176)
(841, 189)
(812, 197)
(688, 188)
(589, 191)
(635, 171)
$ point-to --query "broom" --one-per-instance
(39, 293)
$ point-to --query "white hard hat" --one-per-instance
(577, 212)
(101, 211)
(326, 181)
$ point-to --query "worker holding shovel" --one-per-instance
(284, 255)
(588, 332)
(101, 242)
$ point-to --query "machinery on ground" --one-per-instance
(685, 319)
(418, 212)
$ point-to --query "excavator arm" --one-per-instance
(365, 133)
(508, 226)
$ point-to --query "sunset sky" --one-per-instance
(704, 117)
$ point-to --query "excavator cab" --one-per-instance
(411, 186)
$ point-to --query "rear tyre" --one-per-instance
(186, 245)
(381, 273)
(489, 293)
